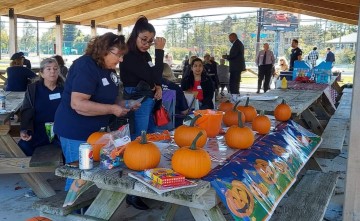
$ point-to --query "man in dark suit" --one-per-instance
(330, 57)
(236, 64)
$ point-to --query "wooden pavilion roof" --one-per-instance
(110, 13)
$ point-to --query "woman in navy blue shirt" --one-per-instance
(90, 94)
(18, 76)
(39, 106)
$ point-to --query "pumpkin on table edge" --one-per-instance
(261, 123)
(92, 140)
(225, 106)
(141, 155)
(231, 116)
(191, 162)
(282, 112)
(248, 110)
(239, 137)
(184, 135)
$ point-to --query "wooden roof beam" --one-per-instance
(25, 6)
(91, 8)
(276, 4)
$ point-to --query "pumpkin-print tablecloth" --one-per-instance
(252, 182)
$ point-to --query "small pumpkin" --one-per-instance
(231, 116)
(192, 162)
(282, 112)
(261, 123)
(184, 135)
(141, 155)
(225, 106)
(239, 137)
(249, 111)
(93, 140)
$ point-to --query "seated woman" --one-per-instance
(62, 68)
(18, 76)
(199, 82)
(39, 106)
(181, 106)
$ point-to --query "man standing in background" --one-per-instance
(236, 65)
(296, 53)
(313, 56)
(265, 60)
(330, 57)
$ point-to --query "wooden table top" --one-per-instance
(298, 100)
(13, 103)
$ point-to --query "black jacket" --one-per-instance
(27, 109)
(236, 57)
(207, 86)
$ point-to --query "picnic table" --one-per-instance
(203, 199)
(12, 158)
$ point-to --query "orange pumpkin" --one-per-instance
(210, 121)
(282, 112)
(261, 124)
(249, 111)
(192, 162)
(184, 135)
(231, 116)
(239, 137)
(38, 218)
(141, 155)
(225, 106)
(93, 141)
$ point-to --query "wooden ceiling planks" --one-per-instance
(112, 12)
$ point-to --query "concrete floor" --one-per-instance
(16, 207)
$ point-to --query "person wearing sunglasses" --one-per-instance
(141, 77)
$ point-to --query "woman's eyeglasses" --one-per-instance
(117, 55)
(144, 41)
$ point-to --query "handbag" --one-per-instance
(161, 115)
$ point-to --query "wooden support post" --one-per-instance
(312, 122)
(119, 29)
(12, 32)
(93, 28)
(59, 36)
(352, 188)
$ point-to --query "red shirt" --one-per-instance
(197, 87)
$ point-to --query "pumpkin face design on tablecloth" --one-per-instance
(266, 171)
(278, 150)
(282, 167)
(239, 199)
(304, 140)
(259, 190)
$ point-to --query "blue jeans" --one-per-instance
(144, 119)
(70, 149)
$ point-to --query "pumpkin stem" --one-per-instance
(194, 119)
(247, 102)
(103, 129)
(262, 113)
(236, 104)
(283, 101)
(193, 144)
(240, 123)
(143, 137)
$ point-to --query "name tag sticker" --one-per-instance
(199, 87)
(151, 64)
(105, 81)
(54, 96)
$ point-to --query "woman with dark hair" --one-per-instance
(39, 106)
(18, 76)
(200, 83)
(140, 76)
(90, 94)
(62, 67)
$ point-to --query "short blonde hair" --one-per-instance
(168, 73)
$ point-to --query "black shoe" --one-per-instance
(136, 202)
(258, 92)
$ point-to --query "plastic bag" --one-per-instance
(111, 153)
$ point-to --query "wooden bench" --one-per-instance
(310, 198)
(52, 207)
(47, 156)
(334, 133)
